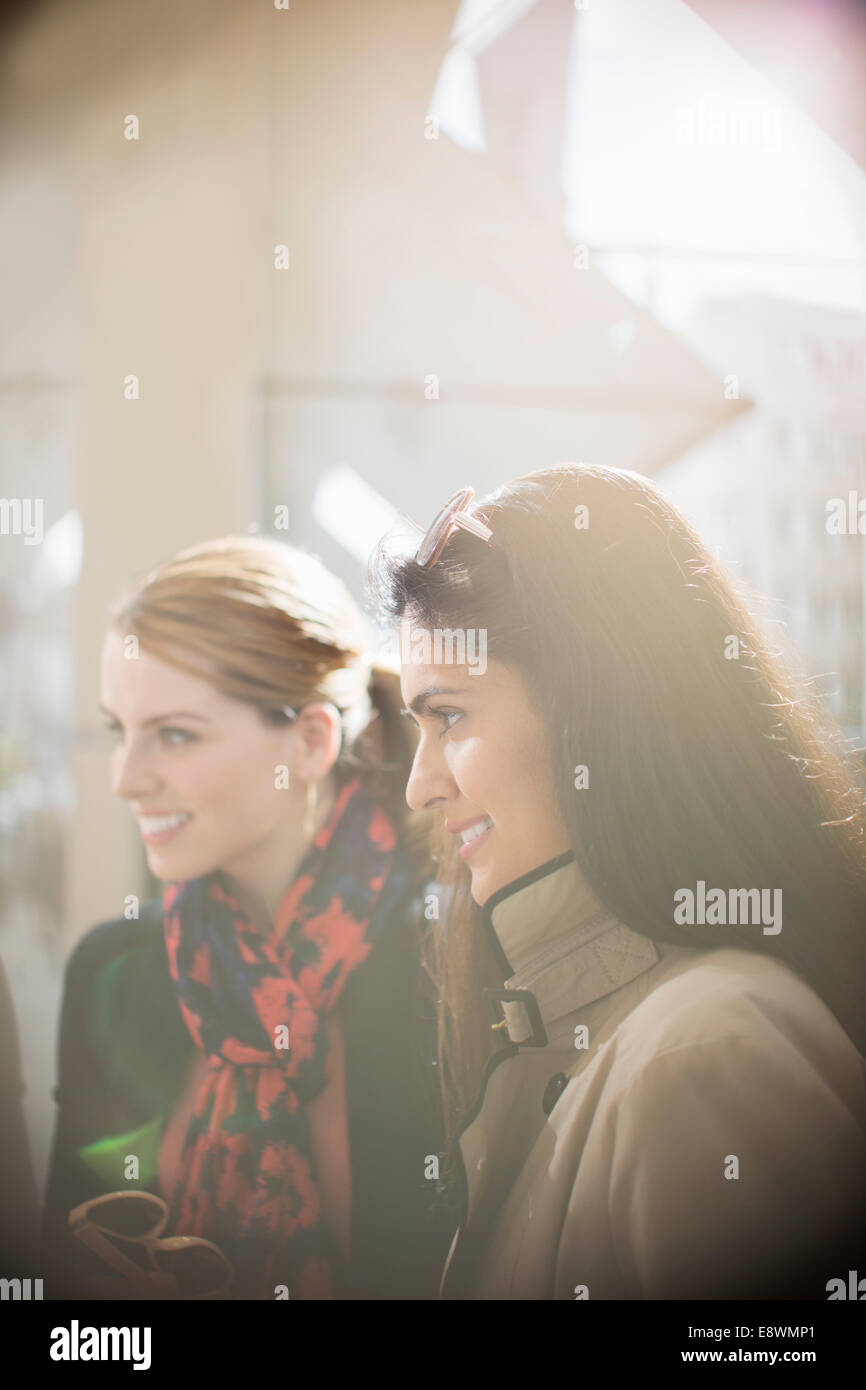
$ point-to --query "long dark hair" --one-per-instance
(707, 758)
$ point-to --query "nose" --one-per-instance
(132, 773)
(430, 782)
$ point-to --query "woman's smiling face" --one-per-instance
(198, 771)
(483, 761)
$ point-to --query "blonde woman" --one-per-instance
(256, 1040)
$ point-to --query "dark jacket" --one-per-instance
(124, 1051)
(18, 1199)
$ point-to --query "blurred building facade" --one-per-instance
(766, 493)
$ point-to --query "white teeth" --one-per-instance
(155, 825)
(473, 831)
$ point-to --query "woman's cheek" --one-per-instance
(472, 768)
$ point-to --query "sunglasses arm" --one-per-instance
(471, 523)
(149, 1283)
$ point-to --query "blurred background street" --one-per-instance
(325, 263)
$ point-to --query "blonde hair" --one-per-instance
(268, 624)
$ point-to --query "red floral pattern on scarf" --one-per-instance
(246, 1178)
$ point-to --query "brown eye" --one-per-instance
(445, 715)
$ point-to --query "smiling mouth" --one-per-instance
(477, 828)
(156, 830)
(474, 836)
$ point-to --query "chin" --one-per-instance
(483, 886)
(163, 872)
(487, 881)
(177, 871)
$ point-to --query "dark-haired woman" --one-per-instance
(251, 1049)
(653, 962)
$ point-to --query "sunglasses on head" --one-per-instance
(453, 516)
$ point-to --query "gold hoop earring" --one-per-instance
(310, 810)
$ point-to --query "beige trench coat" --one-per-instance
(704, 1137)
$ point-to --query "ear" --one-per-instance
(318, 736)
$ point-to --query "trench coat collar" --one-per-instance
(552, 937)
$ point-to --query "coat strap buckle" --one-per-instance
(518, 1011)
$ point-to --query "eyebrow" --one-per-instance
(160, 718)
(419, 704)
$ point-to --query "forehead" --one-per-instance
(424, 677)
(420, 678)
(142, 678)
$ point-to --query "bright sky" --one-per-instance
(674, 142)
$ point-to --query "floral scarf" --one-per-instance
(256, 1004)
